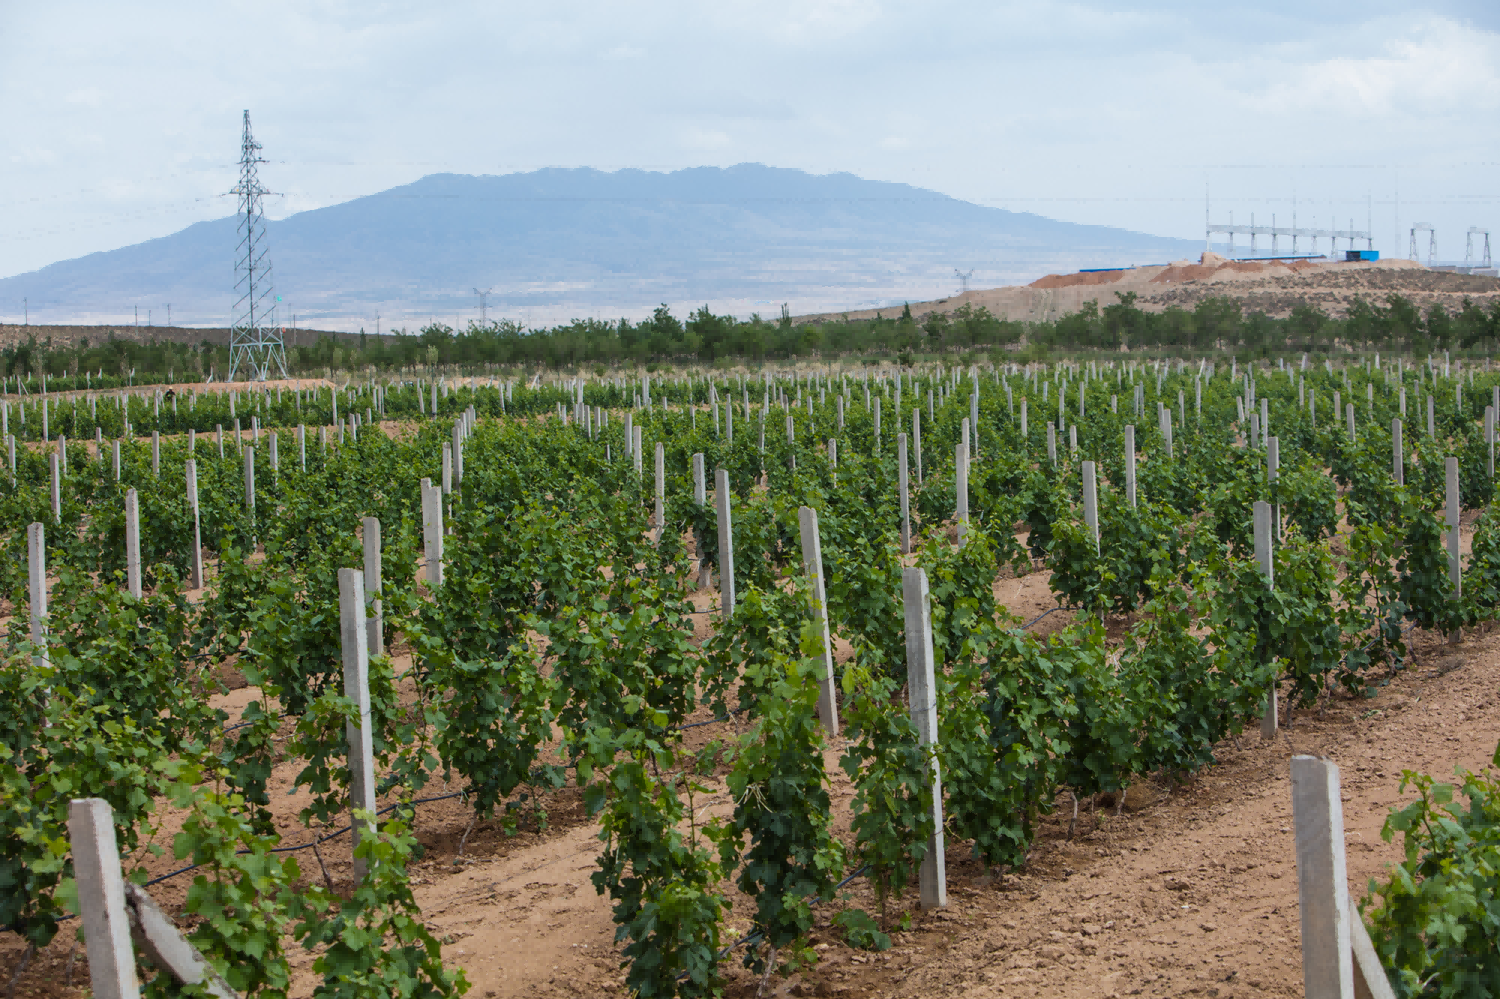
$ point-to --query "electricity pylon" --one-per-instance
(256, 342)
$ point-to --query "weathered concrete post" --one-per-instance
(356, 657)
(812, 563)
(1273, 473)
(1091, 501)
(961, 491)
(726, 543)
(133, 543)
(922, 690)
(1265, 558)
(56, 488)
(1349, 420)
(916, 440)
(1450, 466)
(1398, 462)
(905, 494)
(1130, 465)
(1052, 443)
(1489, 435)
(36, 574)
(661, 492)
(101, 897)
(374, 610)
(195, 570)
(1338, 959)
(155, 453)
(432, 532)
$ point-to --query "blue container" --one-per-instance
(1361, 255)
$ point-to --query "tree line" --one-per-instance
(1216, 323)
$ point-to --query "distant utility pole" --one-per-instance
(484, 303)
(169, 314)
(137, 315)
(256, 342)
(26, 310)
(963, 280)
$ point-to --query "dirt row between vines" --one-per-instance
(1190, 890)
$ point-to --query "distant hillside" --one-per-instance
(557, 244)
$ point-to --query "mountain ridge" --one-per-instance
(559, 243)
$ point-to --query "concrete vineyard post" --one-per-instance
(904, 487)
(458, 451)
(1023, 423)
(302, 446)
(961, 491)
(1130, 465)
(114, 447)
(1091, 501)
(1349, 419)
(1167, 431)
(1398, 464)
(1273, 473)
(56, 488)
(726, 543)
(374, 611)
(36, 575)
(916, 441)
(432, 532)
(661, 493)
(922, 690)
(700, 497)
(1052, 443)
(250, 481)
(356, 658)
(974, 420)
(1450, 467)
(1489, 436)
(1265, 558)
(1431, 421)
(877, 425)
(447, 478)
(1338, 958)
(635, 449)
(133, 543)
(101, 899)
(155, 453)
(195, 570)
(812, 563)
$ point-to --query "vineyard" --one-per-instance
(621, 597)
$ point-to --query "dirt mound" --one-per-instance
(1082, 277)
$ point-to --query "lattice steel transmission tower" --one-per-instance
(1431, 242)
(256, 343)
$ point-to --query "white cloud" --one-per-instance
(1065, 107)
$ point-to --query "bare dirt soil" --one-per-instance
(1190, 889)
(1272, 287)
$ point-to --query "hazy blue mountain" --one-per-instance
(560, 243)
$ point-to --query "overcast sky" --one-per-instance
(122, 120)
